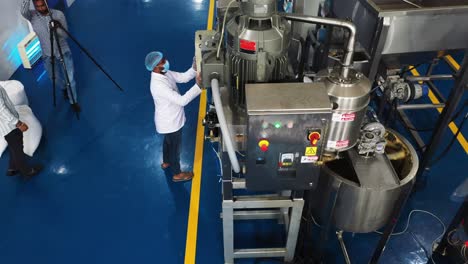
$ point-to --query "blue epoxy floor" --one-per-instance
(103, 197)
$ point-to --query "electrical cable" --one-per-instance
(315, 222)
(311, 217)
(240, 154)
(303, 255)
(412, 68)
(463, 253)
(421, 130)
(409, 219)
(220, 161)
(450, 237)
(222, 30)
(407, 226)
(375, 89)
(449, 146)
(416, 129)
(393, 112)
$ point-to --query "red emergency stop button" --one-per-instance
(263, 144)
(314, 137)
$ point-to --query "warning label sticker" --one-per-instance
(345, 117)
(338, 144)
(309, 159)
(311, 151)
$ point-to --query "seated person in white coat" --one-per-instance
(169, 105)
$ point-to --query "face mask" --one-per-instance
(166, 67)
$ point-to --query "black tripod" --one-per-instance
(54, 25)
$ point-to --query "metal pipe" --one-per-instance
(348, 58)
(429, 78)
(339, 234)
(445, 118)
(238, 183)
(406, 121)
(419, 106)
(223, 124)
(436, 91)
(435, 61)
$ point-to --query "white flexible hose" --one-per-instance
(223, 124)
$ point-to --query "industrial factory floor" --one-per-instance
(103, 197)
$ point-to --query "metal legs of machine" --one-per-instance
(456, 95)
(285, 206)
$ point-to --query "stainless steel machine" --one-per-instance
(364, 189)
(393, 33)
(395, 37)
(287, 125)
(283, 136)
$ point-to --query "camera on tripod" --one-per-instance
(54, 26)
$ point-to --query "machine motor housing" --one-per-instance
(257, 42)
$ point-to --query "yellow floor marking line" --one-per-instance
(453, 127)
(191, 242)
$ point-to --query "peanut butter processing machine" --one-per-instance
(289, 142)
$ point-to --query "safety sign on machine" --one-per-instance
(311, 151)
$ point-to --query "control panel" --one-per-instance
(287, 127)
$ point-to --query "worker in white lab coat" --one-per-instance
(169, 115)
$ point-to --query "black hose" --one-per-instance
(449, 146)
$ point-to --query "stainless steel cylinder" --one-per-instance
(358, 193)
(350, 98)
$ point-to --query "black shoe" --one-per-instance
(11, 172)
(65, 94)
(33, 171)
(76, 107)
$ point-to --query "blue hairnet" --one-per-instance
(152, 59)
